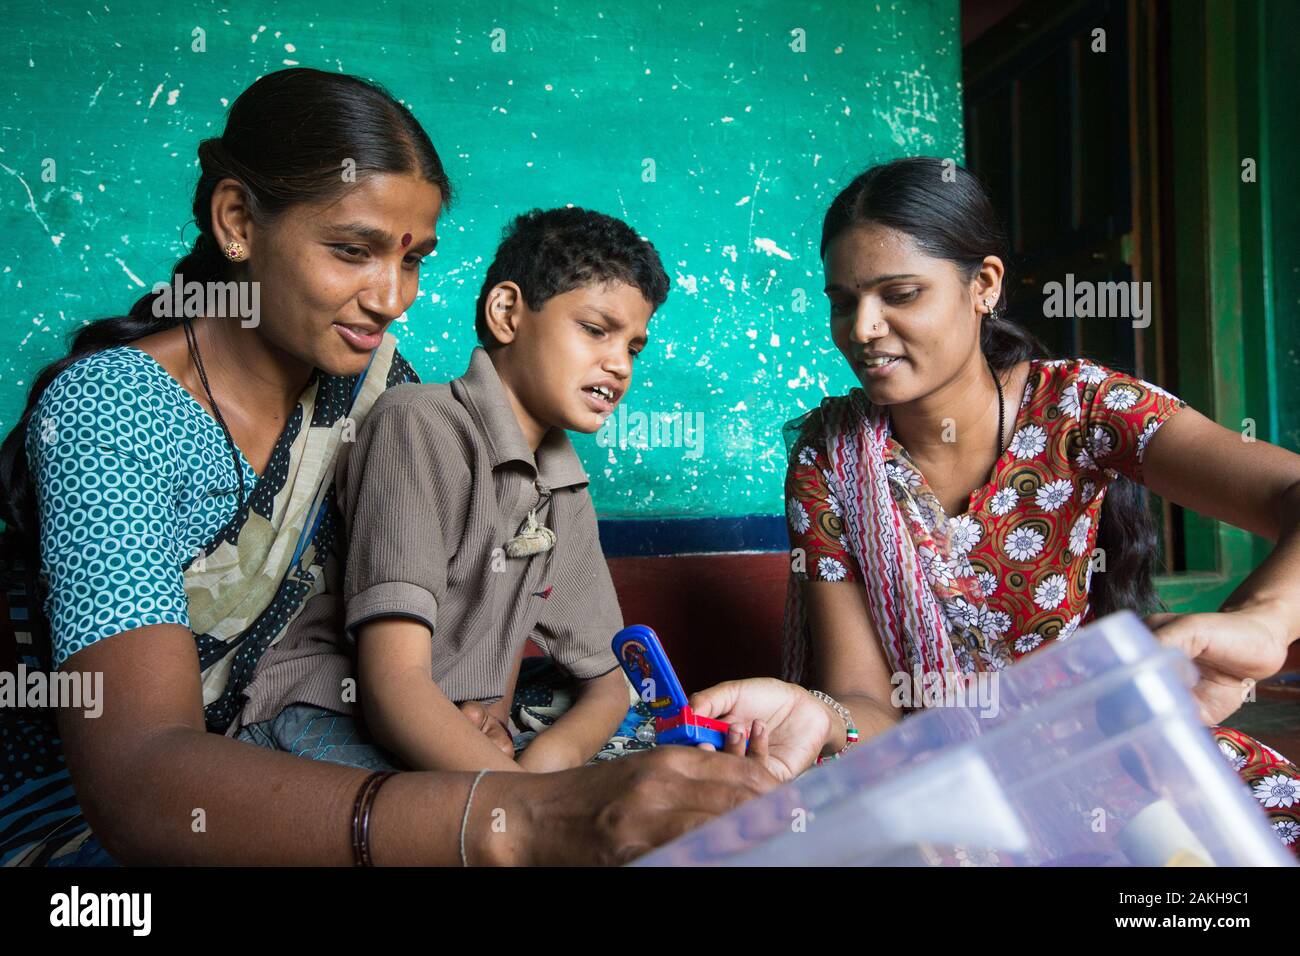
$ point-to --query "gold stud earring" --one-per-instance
(235, 251)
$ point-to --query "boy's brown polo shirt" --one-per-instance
(439, 479)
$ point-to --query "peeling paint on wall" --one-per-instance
(749, 139)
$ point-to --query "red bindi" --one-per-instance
(406, 239)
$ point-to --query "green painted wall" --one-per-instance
(750, 141)
(1279, 68)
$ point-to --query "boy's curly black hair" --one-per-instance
(548, 252)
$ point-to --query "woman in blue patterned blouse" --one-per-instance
(168, 498)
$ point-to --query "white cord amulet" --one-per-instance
(535, 538)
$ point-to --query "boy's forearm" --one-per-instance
(410, 716)
(584, 728)
(501, 708)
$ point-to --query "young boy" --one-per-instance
(468, 523)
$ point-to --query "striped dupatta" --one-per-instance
(897, 532)
(246, 587)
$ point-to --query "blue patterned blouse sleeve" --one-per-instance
(101, 460)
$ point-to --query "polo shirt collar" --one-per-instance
(556, 463)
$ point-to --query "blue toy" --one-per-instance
(643, 660)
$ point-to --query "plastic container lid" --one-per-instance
(1087, 753)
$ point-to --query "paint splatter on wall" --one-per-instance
(719, 130)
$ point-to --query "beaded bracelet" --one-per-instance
(850, 732)
(850, 737)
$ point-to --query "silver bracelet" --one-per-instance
(850, 732)
(834, 705)
(464, 821)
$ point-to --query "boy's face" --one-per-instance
(568, 364)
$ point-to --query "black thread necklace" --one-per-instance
(192, 340)
(997, 384)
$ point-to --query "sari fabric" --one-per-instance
(242, 588)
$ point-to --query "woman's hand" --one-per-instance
(492, 728)
(1231, 649)
(610, 813)
(794, 727)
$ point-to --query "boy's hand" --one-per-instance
(492, 728)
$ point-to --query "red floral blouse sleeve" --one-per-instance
(818, 549)
(1118, 414)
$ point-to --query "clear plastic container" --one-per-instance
(1088, 753)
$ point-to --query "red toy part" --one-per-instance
(687, 716)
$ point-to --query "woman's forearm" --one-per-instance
(1272, 590)
(190, 797)
(870, 717)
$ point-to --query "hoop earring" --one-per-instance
(235, 251)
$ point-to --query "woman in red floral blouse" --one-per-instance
(950, 509)
(1018, 561)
